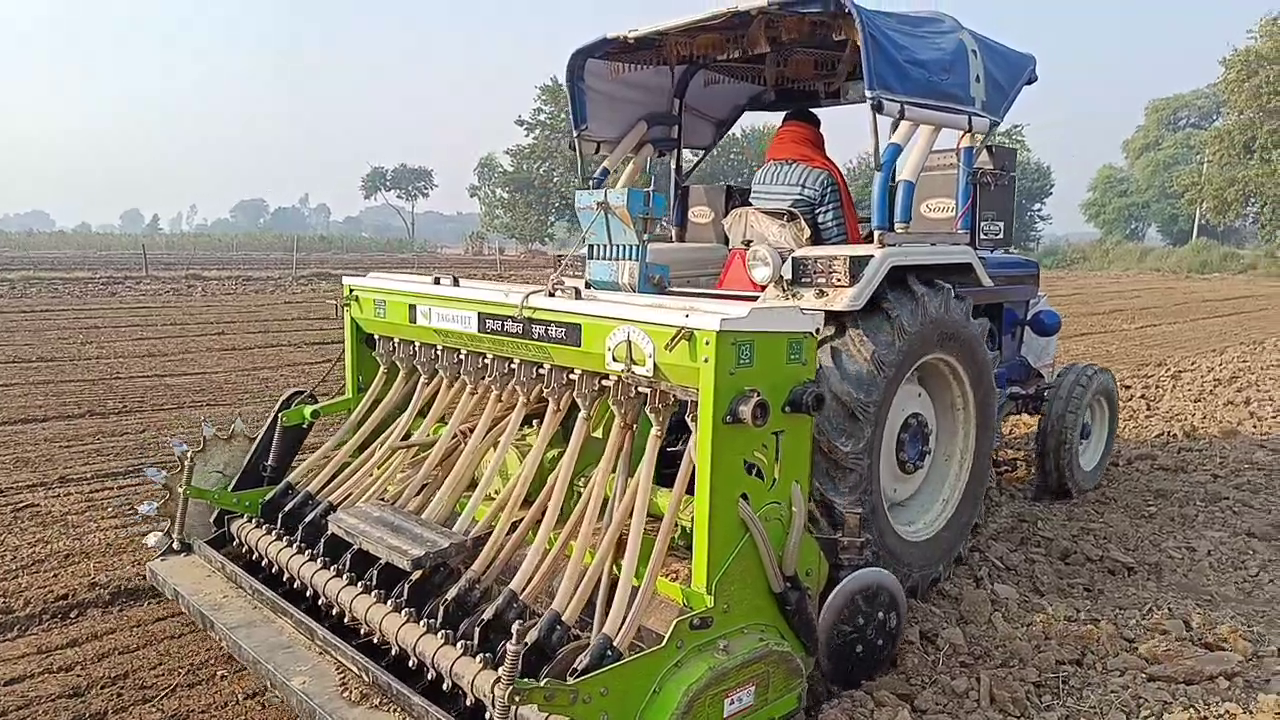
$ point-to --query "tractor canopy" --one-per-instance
(702, 73)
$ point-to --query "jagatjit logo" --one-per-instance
(701, 214)
(938, 208)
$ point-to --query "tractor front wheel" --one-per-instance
(1077, 431)
(905, 438)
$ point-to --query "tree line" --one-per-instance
(1201, 163)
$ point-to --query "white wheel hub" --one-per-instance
(927, 447)
(1093, 432)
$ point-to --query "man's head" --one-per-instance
(803, 115)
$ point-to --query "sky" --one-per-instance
(157, 104)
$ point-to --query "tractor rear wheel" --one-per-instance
(904, 441)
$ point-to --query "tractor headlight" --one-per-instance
(764, 264)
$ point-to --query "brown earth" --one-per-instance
(1105, 607)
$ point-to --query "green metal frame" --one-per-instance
(732, 634)
(244, 502)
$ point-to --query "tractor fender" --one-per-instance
(956, 264)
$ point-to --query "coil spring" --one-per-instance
(273, 454)
(180, 514)
(509, 672)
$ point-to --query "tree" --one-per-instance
(153, 225)
(505, 195)
(320, 218)
(737, 157)
(1241, 182)
(410, 184)
(82, 228)
(132, 221)
(1115, 205)
(1150, 189)
(249, 215)
(288, 220)
(860, 175)
(526, 192)
(176, 223)
(475, 243)
(1035, 187)
(192, 213)
(29, 221)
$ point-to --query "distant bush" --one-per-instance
(1198, 257)
(63, 241)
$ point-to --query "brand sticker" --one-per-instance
(447, 318)
(739, 700)
(744, 354)
(380, 308)
(701, 215)
(939, 208)
(991, 231)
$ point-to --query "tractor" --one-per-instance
(699, 473)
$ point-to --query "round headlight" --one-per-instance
(764, 264)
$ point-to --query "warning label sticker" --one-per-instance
(739, 700)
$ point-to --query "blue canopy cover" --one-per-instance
(776, 55)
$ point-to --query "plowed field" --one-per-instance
(1105, 607)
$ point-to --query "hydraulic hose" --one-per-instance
(396, 397)
(363, 471)
(422, 438)
(581, 426)
(514, 422)
(662, 544)
(460, 413)
(299, 474)
(639, 511)
(590, 510)
(528, 469)
(455, 483)
(621, 475)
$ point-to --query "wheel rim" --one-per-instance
(927, 448)
(1093, 433)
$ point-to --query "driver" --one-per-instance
(797, 174)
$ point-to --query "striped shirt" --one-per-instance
(808, 190)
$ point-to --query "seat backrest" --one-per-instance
(779, 228)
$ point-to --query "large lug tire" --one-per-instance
(906, 436)
(1077, 431)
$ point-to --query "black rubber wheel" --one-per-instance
(863, 359)
(1071, 456)
(860, 627)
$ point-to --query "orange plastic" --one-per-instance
(734, 276)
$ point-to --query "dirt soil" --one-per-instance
(1157, 596)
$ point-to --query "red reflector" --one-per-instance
(734, 276)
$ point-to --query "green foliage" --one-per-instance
(1198, 257)
(737, 158)
(249, 215)
(1242, 181)
(153, 225)
(1114, 204)
(1157, 187)
(29, 221)
(1035, 187)
(410, 184)
(526, 192)
(132, 221)
(860, 175)
(82, 228)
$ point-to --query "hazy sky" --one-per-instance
(111, 104)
